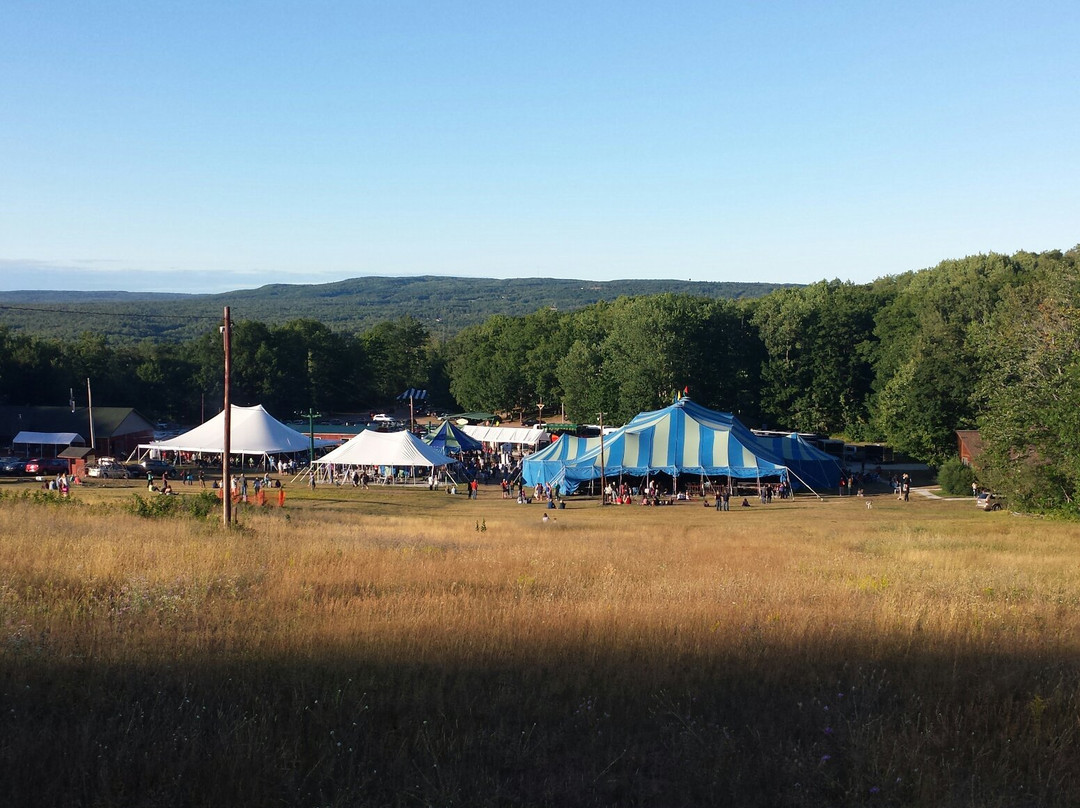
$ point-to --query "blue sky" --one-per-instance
(207, 146)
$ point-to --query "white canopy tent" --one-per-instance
(371, 448)
(254, 431)
(498, 435)
(47, 438)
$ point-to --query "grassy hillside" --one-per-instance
(401, 647)
(444, 305)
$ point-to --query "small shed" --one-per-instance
(76, 457)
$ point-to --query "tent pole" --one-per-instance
(801, 480)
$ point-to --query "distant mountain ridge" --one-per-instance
(444, 305)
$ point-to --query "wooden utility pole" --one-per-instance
(90, 410)
(311, 415)
(226, 488)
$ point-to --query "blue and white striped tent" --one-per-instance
(810, 466)
(450, 439)
(683, 439)
(547, 465)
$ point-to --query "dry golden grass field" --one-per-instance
(397, 647)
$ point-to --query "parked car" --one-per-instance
(989, 502)
(46, 465)
(110, 468)
(156, 467)
(382, 418)
(12, 465)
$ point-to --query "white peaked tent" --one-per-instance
(371, 448)
(254, 432)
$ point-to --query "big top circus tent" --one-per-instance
(816, 469)
(548, 464)
(682, 439)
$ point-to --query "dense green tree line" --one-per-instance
(988, 341)
(288, 369)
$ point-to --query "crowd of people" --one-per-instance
(475, 470)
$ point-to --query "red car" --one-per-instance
(47, 465)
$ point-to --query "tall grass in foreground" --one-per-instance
(399, 648)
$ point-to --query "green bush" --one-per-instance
(199, 506)
(955, 478)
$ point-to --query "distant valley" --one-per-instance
(444, 305)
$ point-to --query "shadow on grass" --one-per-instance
(639, 730)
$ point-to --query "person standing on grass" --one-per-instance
(905, 487)
(474, 487)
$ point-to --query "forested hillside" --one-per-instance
(989, 342)
(443, 305)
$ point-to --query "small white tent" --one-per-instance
(254, 432)
(371, 448)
